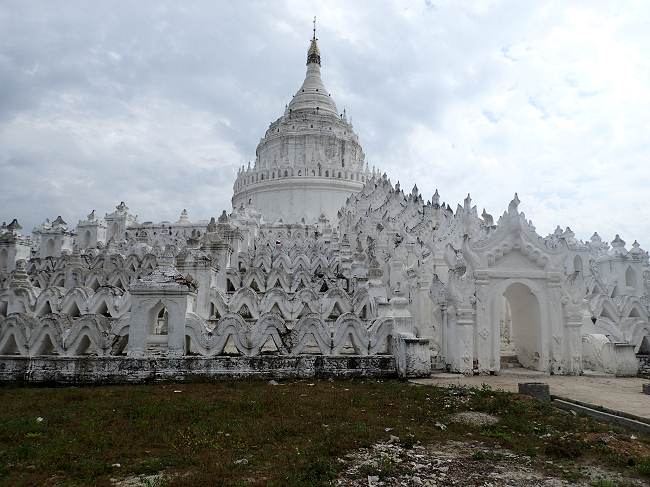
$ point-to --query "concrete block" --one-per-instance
(539, 390)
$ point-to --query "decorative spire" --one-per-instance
(15, 227)
(312, 95)
(435, 199)
(313, 55)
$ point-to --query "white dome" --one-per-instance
(308, 162)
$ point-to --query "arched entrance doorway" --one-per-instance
(157, 328)
(4, 260)
(50, 248)
(115, 230)
(521, 311)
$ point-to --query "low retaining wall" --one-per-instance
(125, 369)
(609, 415)
(644, 364)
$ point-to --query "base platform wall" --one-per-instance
(131, 370)
(644, 364)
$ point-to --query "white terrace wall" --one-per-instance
(343, 274)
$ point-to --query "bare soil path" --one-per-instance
(622, 394)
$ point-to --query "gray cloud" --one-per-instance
(158, 105)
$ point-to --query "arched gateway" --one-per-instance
(509, 265)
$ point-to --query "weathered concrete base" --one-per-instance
(413, 358)
(601, 355)
(540, 390)
(644, 363)
(125, 369)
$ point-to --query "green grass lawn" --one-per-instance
(289, 434)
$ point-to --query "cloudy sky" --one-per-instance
(158, 103)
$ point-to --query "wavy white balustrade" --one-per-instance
(58, 334)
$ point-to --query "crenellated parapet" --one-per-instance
(13, 247)
(617, 303)
(53, 239)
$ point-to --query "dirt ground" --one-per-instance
(470, 463)
(481, 462)
(618, 393)
(486, 464)
(474, 463)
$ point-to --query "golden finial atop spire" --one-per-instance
(313, 55)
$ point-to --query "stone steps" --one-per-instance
(507, 362)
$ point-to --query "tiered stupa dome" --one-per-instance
(309, 161)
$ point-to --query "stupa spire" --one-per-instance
(313, 55)
(312, 95)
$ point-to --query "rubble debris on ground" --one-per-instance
(474, 463)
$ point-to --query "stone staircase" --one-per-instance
(437, 364)
(510, 361)
(507, 362)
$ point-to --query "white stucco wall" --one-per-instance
(294, 198)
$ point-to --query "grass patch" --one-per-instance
(382, 470)
(495, 432)
(250, 433)
(643, 467)
(562, 447)
(601, 483)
